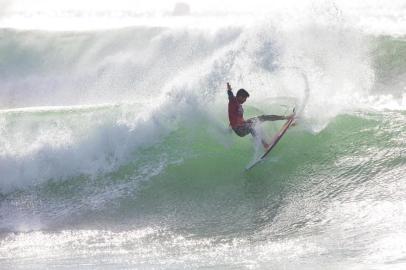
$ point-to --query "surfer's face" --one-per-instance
(241, 99)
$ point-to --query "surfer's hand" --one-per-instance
(229, 87)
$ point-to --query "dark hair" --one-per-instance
(242, 93)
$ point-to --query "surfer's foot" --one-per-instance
(266, 145)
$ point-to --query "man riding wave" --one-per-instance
(241, 126)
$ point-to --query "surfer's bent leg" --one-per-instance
(263, 118)
(245, 130)
(248, 128)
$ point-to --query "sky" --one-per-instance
(140, 5)
(93, 14)
(90, 14)
(197, 5)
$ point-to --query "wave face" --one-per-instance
(117, 142)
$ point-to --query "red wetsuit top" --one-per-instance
(235, 111)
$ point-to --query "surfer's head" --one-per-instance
(242, 95)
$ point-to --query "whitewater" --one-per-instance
(116, 152)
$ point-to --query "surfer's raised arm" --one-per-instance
(229, 91)
(229, 87)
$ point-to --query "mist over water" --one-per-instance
(115, 150)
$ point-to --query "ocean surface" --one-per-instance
(115, 150)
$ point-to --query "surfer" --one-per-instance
(236, 115)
